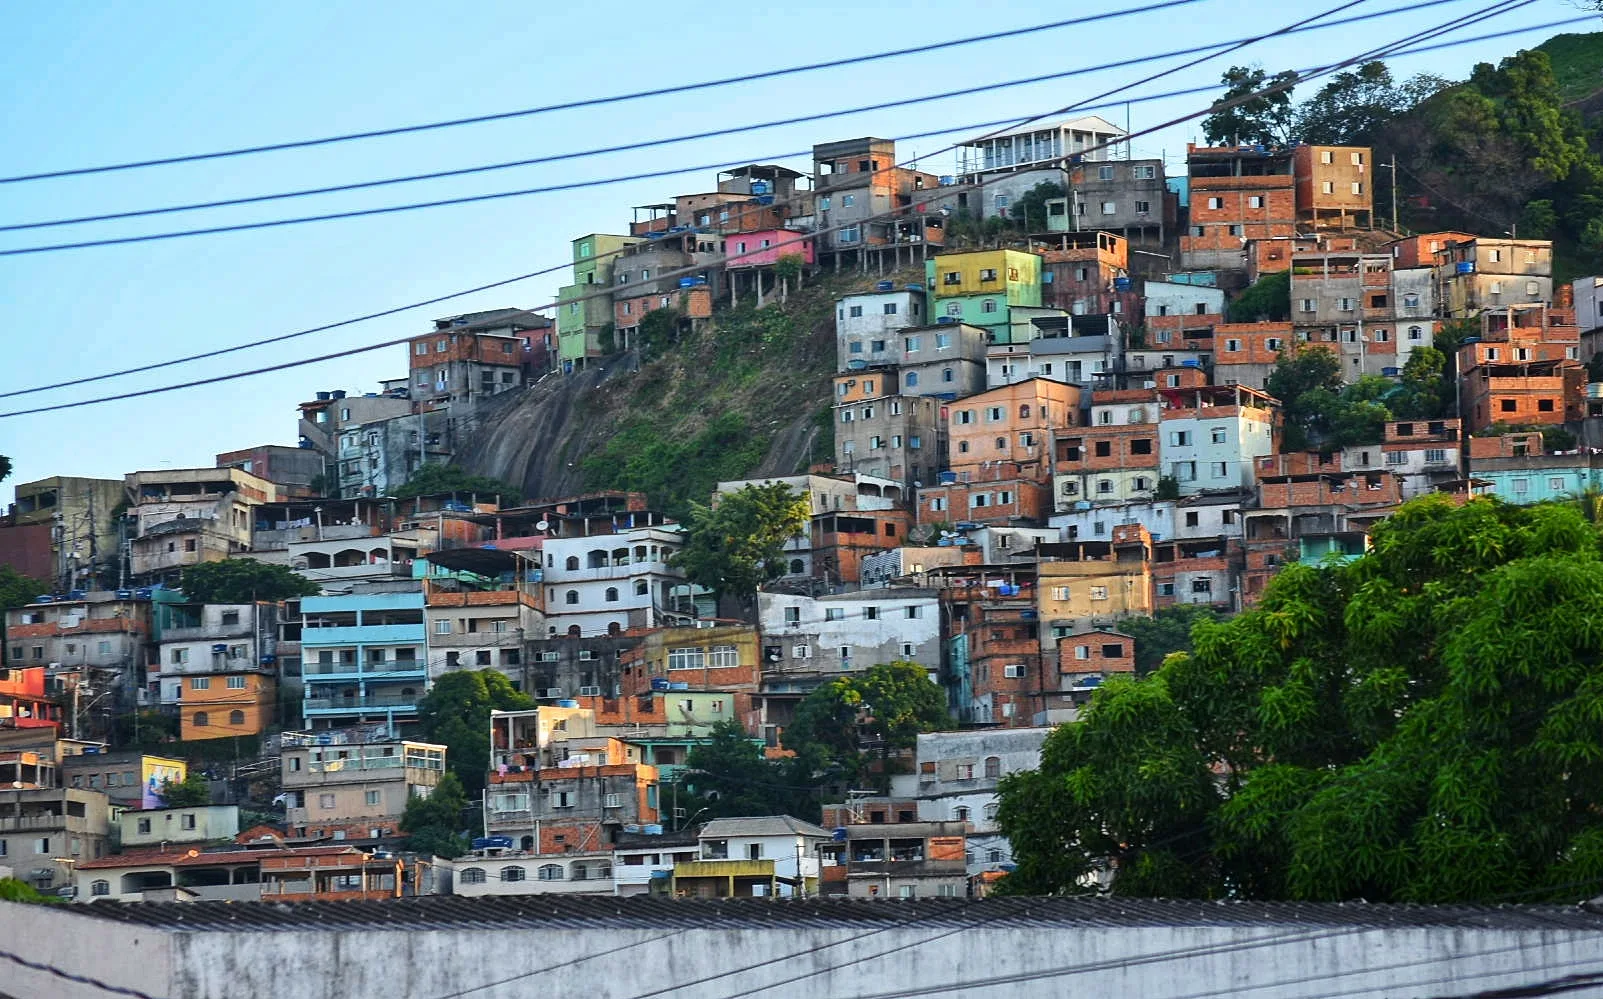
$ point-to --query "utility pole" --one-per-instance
(1392, 166)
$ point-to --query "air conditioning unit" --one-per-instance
(585, 655)
(554, 692)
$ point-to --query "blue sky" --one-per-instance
(90, 84)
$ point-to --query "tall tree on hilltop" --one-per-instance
(1264, 119)
(1416, 725)
(739, 544)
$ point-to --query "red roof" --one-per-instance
(197, 858)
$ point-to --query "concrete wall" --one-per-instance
(1152, 961)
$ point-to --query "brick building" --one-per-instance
(1238, 194)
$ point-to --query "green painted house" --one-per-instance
(580, 320)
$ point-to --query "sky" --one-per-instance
(87, 84)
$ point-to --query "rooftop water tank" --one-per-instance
(567, 703)
(885, 286)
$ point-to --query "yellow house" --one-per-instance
(1081, 583)
(218, 705)
(980, 272)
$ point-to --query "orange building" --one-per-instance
(1421, 250)
(1011, 424)
(1334, 185)
(1114, 458)
(997, 501)
(1239, 195)
(840, 541)
(1246, 353)
(23, 702)
(218, 705)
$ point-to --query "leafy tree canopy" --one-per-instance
(738, 545)
(1167, 630)
(434, 479)
(17, 590)
(5, 468)
(1417, 725)
(17, 890)
(243, 581)
(889, 704)
(729, 776)
(456, 713)
(1322, 412)
(434, 824)
(1355, 105)
(1268, 299)
(1265, 120)
(191, 792)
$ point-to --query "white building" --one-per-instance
(612, 582)
(493, 872)
(198, 824)
(1414, 309)
(817, 637)
(866, 325)
(852, 492)
(1211, 436)
(1166, 298)
(1196, 518)
(789, 842)
(956, 781)
(212, 638)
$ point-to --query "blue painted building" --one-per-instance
(364, 659)
(1538, 478)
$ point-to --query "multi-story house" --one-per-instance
(882, 433)
(807, 640)
(1344, 301)
(1481, 273)
(24, 702)
(353, 784)
(129, 779)
(857, 187)
(1238, 194)
(1011, 425)
(1311, 517)
(1246, 353)
(92, 645)
(1519, 468)
(1130, 197)
(608, 583)
(212, 640)
(376, 458)
(1423, 454)
(898, 860)
(980, 287)
(759, 856)
(841, 541)
(1194, 518)
(184, 516)
(1586, 297)
(1002, 495)
(1523, 369)
(466, 359)
(1114, 457)
(825, 494)
(993, 645)
(349, 555)
(564, 666)
(61, 529)
(867, 324)
(1169, 299)
(479, 606)
(956, 780)
(713, 655)
(1088, 273)
(193, 824)
(322, 419)
(945, 360)
(1013, 162)
(292, 469)
(47, 827)
(1334, 186)
(311, 873)
(1209, 436)
(584, 307)
(1094, 584)
(1083, 660)
(364, 659)
(1075, 350)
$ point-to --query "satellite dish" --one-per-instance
(544, 525)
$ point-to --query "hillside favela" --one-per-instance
(1150, 548)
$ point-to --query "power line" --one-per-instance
(384, 313)
(70, 977)
(1310, 74)
(600, 101)
(716, 133)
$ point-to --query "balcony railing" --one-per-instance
(389, 668)
(346, 705)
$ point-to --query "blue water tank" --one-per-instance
(1466, 267)
(567, 702)
(1121, 284)
(759, 187)
(885, 286)
(687, 282)
(678, 685)
(946, 478)
(493, 843)
(1391, 372)
(658, 683)
(651, 829)
(1191, 363)
(946, 320)
(915, 287)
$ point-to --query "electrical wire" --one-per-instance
(716, 133)
(600, 101)
(70, 977)
(396, 310)
(1320, 71)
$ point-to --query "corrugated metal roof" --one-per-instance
(545, 911)
(761, 825)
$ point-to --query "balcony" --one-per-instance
(366, 634)
(45, 823)
(392, 669)
(352, 705)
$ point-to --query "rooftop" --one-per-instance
(644, 911)
(762, 825)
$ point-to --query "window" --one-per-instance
(988, 274)
(200, 683)
(472, 875)
(1219, 469)
(1110, 208)
(100, 888)
(612, 594)
(1180, 438)
(513, 872)
(1435, 456)
(178, 658)
(236, 683)
(687, 658)
(1099, 593)
(1013, 671)
(1214, 204)
(801, 651)
(1218, 435)
(1327, 187)
(549, 872)
(847, 200)
(1060, 593)
(724, 657)
(571, 597)
(1203, 585)
(1358, 187)
(1507, 405)
(236, 717)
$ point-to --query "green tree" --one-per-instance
(887, 705)
(788, 268)
(1306, 383)
(1028, 212)
(433, 824)
(729, 776)
(17, 590)
(243, 581)
(658, 328)
(1267, 299)
(1427, 391)
(456, 713)
(17, 890)
(434, 479)
(739, 544)
(191, 792)
(5, 468)
(1415, 725)
(1252, 118)
(1355, 106)
(1167, 630)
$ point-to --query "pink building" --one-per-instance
(764, 248)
